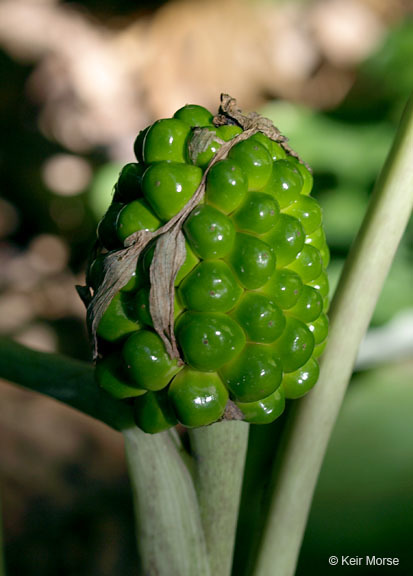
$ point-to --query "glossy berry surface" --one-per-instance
(147, 362)
(256, 161)
(298, 383)
(167, 187)
(211, 286)
(116, 322)
(285, 182)
(254, 374)
(198, 398)
(288, 235)
(210, 233)
(258, 214)
(295, 345)
(308, 306)
(266, 410)
(308, 263)
(166, 141)
(260, 317)
(284, 287)
(135, 216)
(208, 341)
(153, 412)
(275, 150)
(194, 115)
(112, 377)
(251, 296)
(252, 260)
(227, 185)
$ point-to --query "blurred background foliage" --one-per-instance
(78, 81)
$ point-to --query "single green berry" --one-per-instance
(210, 287)
(308, 306)
(308, 263)
(116, 322)
(111, 376)
(255, 160)
(287, 239)
(295, 345)
(167, 187)
(285, 183)
(147, 361)
(209, 232)
(252, 260)
(194, 115)
(298, 383)
(284, 287)
(226, 185)
(208, 340)
(254, 374)
(198, 398)
(135, 216)
(153, 412)
(307, 211)
(258, 214)
(266, 410)
(260, 317)
(166, 141)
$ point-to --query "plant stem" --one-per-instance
(64, 379)
(219, 451)
(308, 430)
(169, 531)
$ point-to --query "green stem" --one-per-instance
(169, 532)
(309, 427)
(64, 379)
(219, 451)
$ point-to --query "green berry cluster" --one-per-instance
(251, 296)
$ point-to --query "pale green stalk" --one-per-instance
(310, 425)
(219, 451)
(169, 533)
